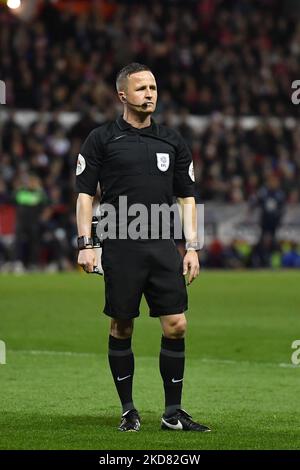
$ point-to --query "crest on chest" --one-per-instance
(163, 161)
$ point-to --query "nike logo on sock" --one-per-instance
(178, 425)
(174, 380)
(119, 379)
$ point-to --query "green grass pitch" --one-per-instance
(56, 388)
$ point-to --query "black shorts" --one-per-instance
(136, 267)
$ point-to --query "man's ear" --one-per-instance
(122, 96)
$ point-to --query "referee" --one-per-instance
(149, 164)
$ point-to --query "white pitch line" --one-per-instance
(283, 364)
(229, 361)
(203, 359)
(44, 352)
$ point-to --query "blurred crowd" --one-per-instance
(37, 175)
(238, 57)
(214, 58)
(239, 254)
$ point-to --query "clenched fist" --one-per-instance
(87, 259)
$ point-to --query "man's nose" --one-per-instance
(148, 93)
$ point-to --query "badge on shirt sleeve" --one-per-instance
(191, 172)
(163, 161)
(80, 165)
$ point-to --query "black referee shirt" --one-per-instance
(149, 165)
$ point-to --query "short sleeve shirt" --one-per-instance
(149, 165)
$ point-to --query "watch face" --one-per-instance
(83, 242)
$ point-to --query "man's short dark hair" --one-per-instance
(128, 70)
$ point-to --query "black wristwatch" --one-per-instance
(84, 242)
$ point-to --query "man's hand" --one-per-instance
(191, 265)
(87, 259)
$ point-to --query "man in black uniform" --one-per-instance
(270, 199)
(149, 164)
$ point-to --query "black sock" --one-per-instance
(121, 361)
(171, 364)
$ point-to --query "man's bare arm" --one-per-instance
(84, 214)
(188, 215)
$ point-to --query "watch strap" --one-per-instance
(84, 242)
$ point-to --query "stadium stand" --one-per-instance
(224, 72)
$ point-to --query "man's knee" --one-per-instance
(175, 327)
(121, 328)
